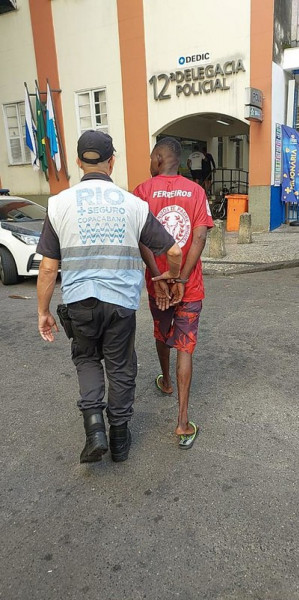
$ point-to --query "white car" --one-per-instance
(21, 223)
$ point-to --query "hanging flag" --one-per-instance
(52, 132)
(290, 151)
(40, 134)
(30, 128)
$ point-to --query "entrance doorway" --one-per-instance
(187, 148)
(225, 137)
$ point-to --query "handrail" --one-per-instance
(233, 180)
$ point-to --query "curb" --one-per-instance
(252, 268)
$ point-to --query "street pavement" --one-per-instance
(269, 250)
(217, 522)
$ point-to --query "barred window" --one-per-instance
(14, 120)
(91, 108)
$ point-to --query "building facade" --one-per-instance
(141, 69)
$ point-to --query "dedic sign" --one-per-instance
(195, 58)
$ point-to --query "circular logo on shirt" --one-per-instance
(176, 221)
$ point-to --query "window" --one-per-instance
(296, 108)
(91, 109)
(14, 118)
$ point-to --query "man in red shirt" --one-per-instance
(181, 206)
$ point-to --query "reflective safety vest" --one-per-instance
(98, 226)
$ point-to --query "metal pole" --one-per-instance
(32, 115)
(58, 135)
(53, 161)
(36, 85)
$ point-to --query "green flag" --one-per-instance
(41, 134)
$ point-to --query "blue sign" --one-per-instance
(290, 152)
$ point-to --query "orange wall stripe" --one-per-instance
(47, 67)
(133, 69)
(261, 45)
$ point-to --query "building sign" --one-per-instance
(254, 97)
(194, 58)
(253, 104)
(290, 180)
(195, 80)
(253, 114)
(278, 155)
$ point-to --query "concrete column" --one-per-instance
(217, 240)
(260, 156)
(245, 236)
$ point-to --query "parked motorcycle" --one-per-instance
(219, 208)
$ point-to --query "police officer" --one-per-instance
(94, 229)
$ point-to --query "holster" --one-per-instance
(63, 314)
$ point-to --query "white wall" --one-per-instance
(87, 45)
(17, 61)
(174, 29)
(280, 80)
(291, 58)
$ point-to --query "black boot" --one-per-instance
(120, 442)
(96, 439)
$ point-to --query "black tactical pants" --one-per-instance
(104, 331)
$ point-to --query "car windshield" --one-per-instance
(21, 210)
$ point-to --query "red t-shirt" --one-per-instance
(180, 205)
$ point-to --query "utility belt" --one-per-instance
(64, 318)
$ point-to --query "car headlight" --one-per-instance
(26, 239)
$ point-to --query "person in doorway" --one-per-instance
(194, 163)
(94, 228)
(208, 166)
(181, 206)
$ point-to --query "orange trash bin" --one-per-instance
(237, 204)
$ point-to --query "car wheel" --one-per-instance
(8, 269)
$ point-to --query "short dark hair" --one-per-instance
(196, 147)
(172, 144)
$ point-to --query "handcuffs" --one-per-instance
(179, 280)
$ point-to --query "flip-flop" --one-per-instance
(187, 440)
(158, 385)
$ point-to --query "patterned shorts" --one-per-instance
(177, 327)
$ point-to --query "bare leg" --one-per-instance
(184, 375)
(163, 353)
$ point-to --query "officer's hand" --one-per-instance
(167, 275)
(162, 294)
(177, 292)
(45, 325)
